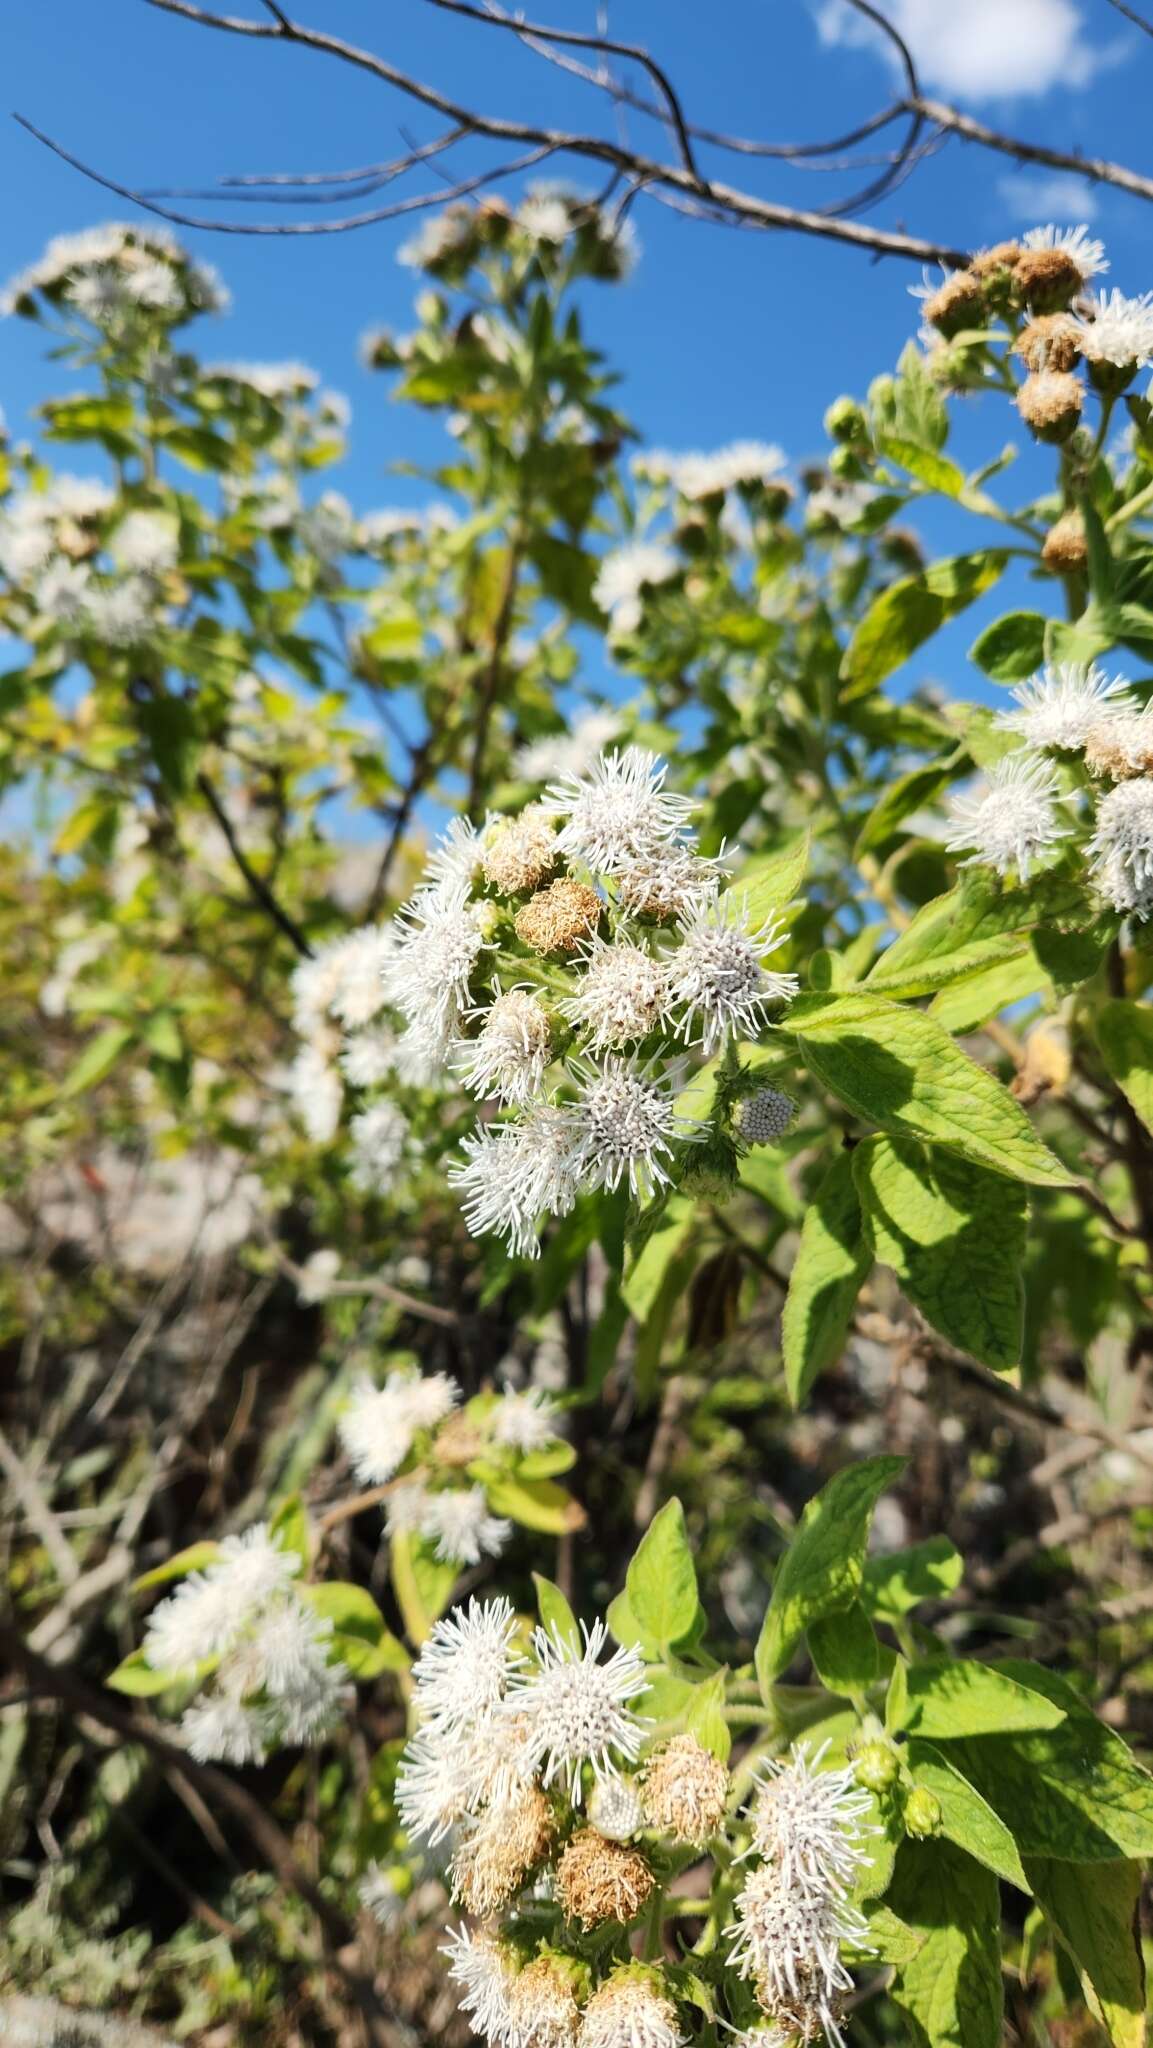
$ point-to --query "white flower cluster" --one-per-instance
(1018, 816)
(383, 1430)
(266, 1649)
(696, 476)
(794, 1912)
(50, 545)
(116, 272)
(623, 577)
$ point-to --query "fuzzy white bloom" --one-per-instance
(1121, 849)
(63, 591)
(146, 541)
(630, 2011)
(218, 1729)
(465, 1668)
(358, 967)
(1060, 707)
(419, 1056)
(379, 1144)
(1077, 243)
(367, 1058)
(486, 1974)
(840, 504)
(447, 1774)
(1010, 821)
(435, 240)
(1117, 330)
(378, 1894)
(622, 995)
(377, 529)
(513, 1048)
(317, 1274)
(525, 1422)
(327, 529)
(670, 881)
(615, 1809)
(567, 753)
(697, 476)
(625, 1125)
(289, 1648)
(809, 1822)
(624, 574)
(788, 1940)
(716, 973)
(316, 1092)
(427, 974)
(80, 498)
(512, 1173)
(578, 1708)
(765, 1116)
(210, 1609)
(544, 216)
(455, 860)
(380, 1423)
(27, 541)
(121, 614)
(458, 1524)
(273, 381)
(619, 812)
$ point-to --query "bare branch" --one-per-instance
(1132, 15)
(1098, 169)
(257, 886)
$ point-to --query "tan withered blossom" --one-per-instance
(542, 2005)
(459, 1442)
(556, 919)
(522, 852)
(1048, 343)
(598, 1880)
(1048, 279)
(956, 304)
(1065, 544)
(996, 262)
(1121, 747)
(498, 1851)
(1049, 402)
(685, 1788)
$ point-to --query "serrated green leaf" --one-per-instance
(966, 1818)
(535, 1504)
(895, 1584)
(194, 1559)
(844, 1650)
(832, 1259)
(1012, 648)
(705, 1716)
(135, 1677)
(822, 1568)
(555, 1613)
(950, 1697)
(770, 883)
(1125, 1035)
(97, 1059)
(951, 1989)
(661, 1581)
(954, 1234)
(909, 612)
(1095, 1912)
(964, 965)
(899, 1069)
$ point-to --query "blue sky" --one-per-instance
(721, 333)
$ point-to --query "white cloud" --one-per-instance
(1048, 195)
(979, 49)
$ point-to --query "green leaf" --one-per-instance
(966, 1818)
(972, 1001)
(194, 1559)
(289, 1528)
(422, 1584)
(705, 1716)
(951, 1989)
(965, 965)
(935, 471)
(900, 1070)
(1011, 648)
(624, 1627)
(954, 1234)
(1095, 1913)
(97, 1059)
(661, 1581)
(1125, 1035)
(844, 1650)
(832, 1259)
(136, 1677)
(909, 612)
(955, 1696)
(535, 1504)
(642, 1283)
(822, 1568)
(169, 725)
(555, 1613)
(359, 1640)
(771, 883)
(904, 796)
(890, 1940)
(1073, 1792)
(895, 1584)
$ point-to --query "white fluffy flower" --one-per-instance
(121, 614)
(272, 380)
(545, 217)
(1060, 707)
(377, 529)
(625, 1125)
(455, 860)
(327, 528)
(615, 1809)
(379, 1143)
(578, 1708)
(80, 498)
(380, 1423)
(426, 976)
(622, 995)
(27, 539)
(624, 574)
(809, 1822)
(210, 1609)
(525, 1422)
(435, 240)
(357, 966)
(317, 1274)
(378, 1894)
(717, 974)
(629, 2010)
(509, 1055)
(765, 1116)
(697, 476)
(1121, 849)
(788, 1940)
(485, 1974)
(218, 1729)
(458, 1524)
(619, 812)
(146, 541)
(367, 1058)
(464, 1669)
(316, 1092)
(1010, 821)
(1117, 330)
(670, 881)
(1077, 243)
(567, 753)
(512, 1173)
(63, 591)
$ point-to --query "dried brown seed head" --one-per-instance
(1049, 402)
(522, 852)
(685, 1788)
(597, 1880)
(556, 919)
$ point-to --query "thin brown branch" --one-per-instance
(258, 888)
(1132, 15)
(1099, 170)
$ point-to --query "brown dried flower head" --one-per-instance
(1121, 747)
(956, 304)
(995, 262)
(1065, 544)
(542, 2006)
(685, 1788)
(556, 919)
(1049, 402)
(598, 1880)
(1048, 343)
(1048, 279)
(498, 1851)
(522, 852)
(458, 1441)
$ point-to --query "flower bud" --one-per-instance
(846, 464)
(1065, 545)
(922, 1812)
(845, 421)
(877, 1767)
